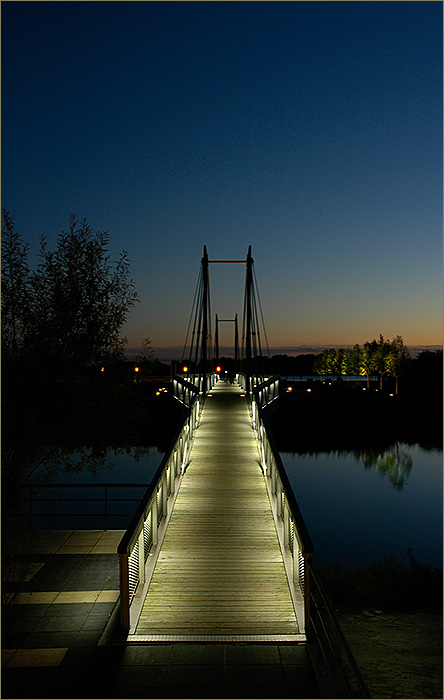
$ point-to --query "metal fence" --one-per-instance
(149, 523)
(35, 497)
(295, 541)
(333, 660)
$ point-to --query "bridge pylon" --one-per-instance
(202, 354)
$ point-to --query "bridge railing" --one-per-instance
(147, 528)
(292, 532)
(332, 657)
(185, 390)
(35, 497)
(337, 670)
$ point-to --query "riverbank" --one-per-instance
(400, 654)
(391, 616)
(319, 417)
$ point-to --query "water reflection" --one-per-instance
(354, 516)
(395, 462)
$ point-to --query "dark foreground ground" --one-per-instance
(58, 641)
(400, 654)
(57, 607)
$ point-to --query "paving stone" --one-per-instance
(37, 657)
(66, 623)
(243, 675)
(94, 622)
(68, 609)
(28, 682)
(85, 638)
(293, 654)
(190, 675)
(19, 611)
(198, 654)
(147, 655)
(14, 641)
(20, 625)
(297, 675)
(103, 609)
(252, 654)
(79, 657)
(43, 640)
(6, 655)
(141, 676)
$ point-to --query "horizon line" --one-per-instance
(175, 352)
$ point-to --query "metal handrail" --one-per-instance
(332, 657)
(329, 648)
(32, 499)
(148, 525)
(294, 539)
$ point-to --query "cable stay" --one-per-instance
(199, 356)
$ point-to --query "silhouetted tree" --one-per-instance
(58, 321)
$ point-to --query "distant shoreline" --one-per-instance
(174, 353)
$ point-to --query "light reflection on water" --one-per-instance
(362, 505)
(137, 466)
(85, 507)
(357, 505)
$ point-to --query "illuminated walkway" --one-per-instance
(220, 569)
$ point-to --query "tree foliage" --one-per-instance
(59, 320)
(72, 307)
(374, 358)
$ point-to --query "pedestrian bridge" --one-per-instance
(218, 550)
(220, 571)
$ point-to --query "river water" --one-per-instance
(358, 507)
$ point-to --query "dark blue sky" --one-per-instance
(309, 130)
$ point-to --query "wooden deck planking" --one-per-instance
(220, 569)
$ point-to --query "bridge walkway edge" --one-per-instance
(220, 572)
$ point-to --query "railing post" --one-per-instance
(286, 525)
(164, 495)
(273, 478)
(296, 551)
(142, 555)
(307, 582)
(106, 507)
(337, 661)
(124, 592)
(30, 507)
(154, 519)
